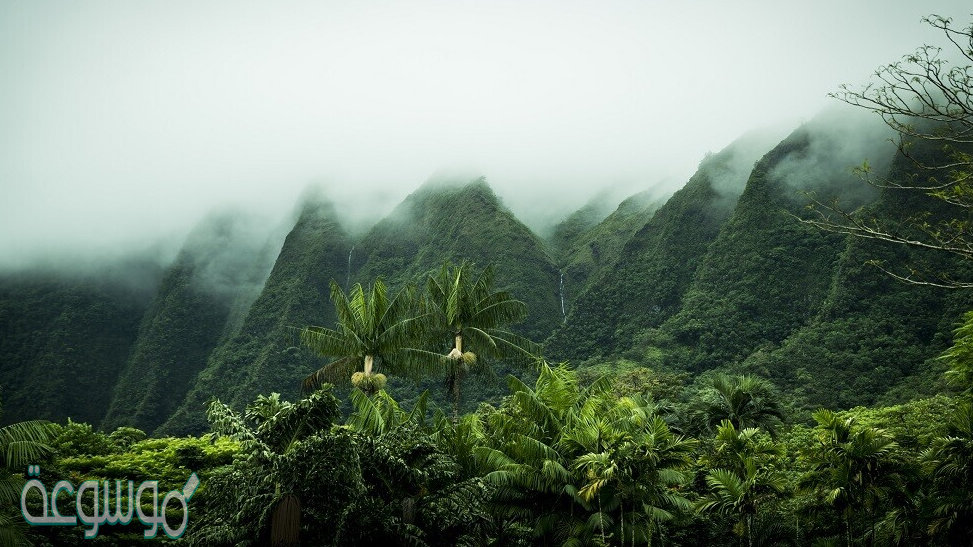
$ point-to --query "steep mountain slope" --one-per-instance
(263, 356)
(439, 222)
(767, 274)
(875, 339)
(65, 338)
(600, 247)
(566, 234)
(220, 270)
(655, 266)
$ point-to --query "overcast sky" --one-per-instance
(122, 122)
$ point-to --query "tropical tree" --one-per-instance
(745, 401)
(854, 470)
(928, 102)
(467, 315)
(21, 444)
(948, 462)
(580, 464)
(639, 471)
(261, 492)
(960, 358)
(373, 332)
(743, 476)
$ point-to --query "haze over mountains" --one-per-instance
(718, 275)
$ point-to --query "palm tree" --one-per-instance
(373, 331)
(854, 468)
(949, 463)
(642, 471)
(527, 459)
(743, 477)
(21, 444)
(746, 401)
(269, 432)
(741, 493)
(466, 313)
(581, 463)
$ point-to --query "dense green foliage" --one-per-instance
(220, 269)
(65, 338)
(442, 222)
(584, 251)
(562, 461)
(263, 355)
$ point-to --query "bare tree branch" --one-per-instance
(929, 101)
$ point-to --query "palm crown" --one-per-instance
(465, 310)
(373, 330)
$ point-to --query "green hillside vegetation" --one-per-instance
(65, 338)
(599, 247)
(654, 268)
(264, 356)
(765, 275)
(803, 306)
(564, 236)
(219, 270)
(442, 222)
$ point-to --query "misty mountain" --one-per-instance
(462, 222)
(205, 292)
(646, 283)
(586, 253)
(765, 274)
(721, 275)
(564, 236)
(65, 337)
(263, 356)
(873, 339)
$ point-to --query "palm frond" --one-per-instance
(334, 372)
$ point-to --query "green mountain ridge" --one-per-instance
(65, 337)
(719, 276)
(655, 265)
(213, 278)
(599, 247)
(463, 222)
(263, 357)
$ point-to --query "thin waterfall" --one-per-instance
(348, 277)
(564, 315)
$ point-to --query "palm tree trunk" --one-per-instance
(750, 530)
(455, 401)
(458, 353)
(601, 519)
(848, 529)
(621, 515)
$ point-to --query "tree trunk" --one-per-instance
(455, 401)
(621, 515)
(285, 523)
(750, 530)
(848, 530)
(601, 519)
(457, 355)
